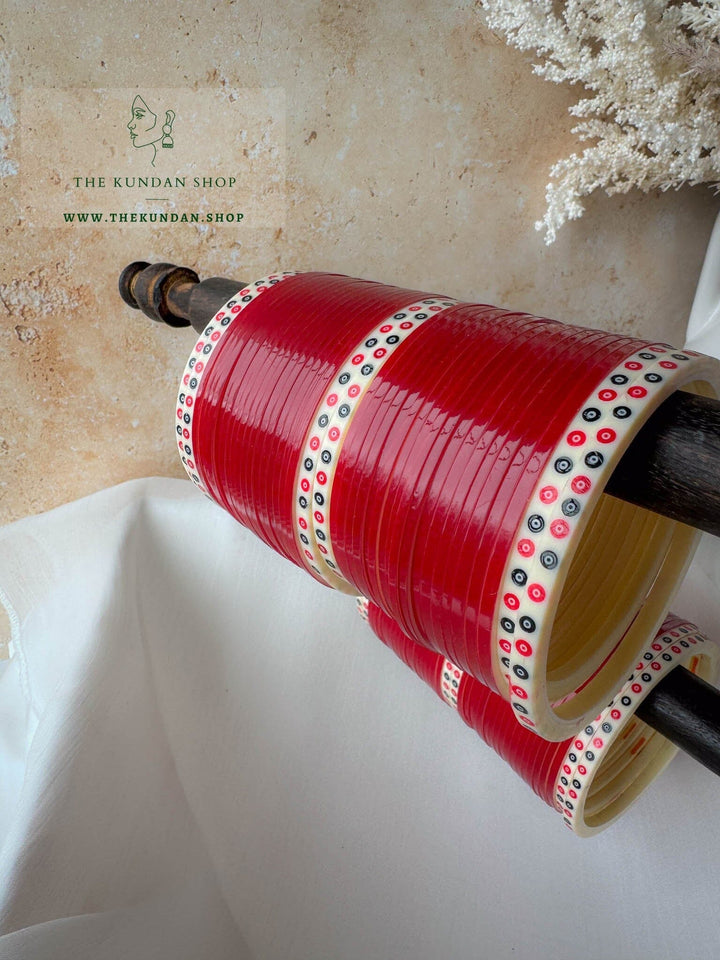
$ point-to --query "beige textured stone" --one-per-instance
(417, 152)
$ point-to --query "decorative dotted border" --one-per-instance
(548, 533)
(587, 751)
(363, 607)
(329, 427)
(450, 678)
(206, 345)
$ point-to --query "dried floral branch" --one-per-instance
(653, 69)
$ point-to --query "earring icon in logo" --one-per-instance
(167, 141)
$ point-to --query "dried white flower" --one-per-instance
(653, 68)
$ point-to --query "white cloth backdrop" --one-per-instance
(204, 754)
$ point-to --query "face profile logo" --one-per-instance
(146, 131)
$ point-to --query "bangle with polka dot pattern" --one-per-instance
(267, 360)
(540, 634)
(592, 777)
(208, 343)
(329, 427)
(454, 474)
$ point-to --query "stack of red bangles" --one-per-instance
(591, 777)
(447, 461)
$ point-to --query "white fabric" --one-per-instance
(705, 314)
(204, 754)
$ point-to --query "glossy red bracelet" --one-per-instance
(448, 461)
(593, 776)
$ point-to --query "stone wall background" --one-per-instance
(417, 151)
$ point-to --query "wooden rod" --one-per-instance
(673, 465)
(684, 708)
(174, 295)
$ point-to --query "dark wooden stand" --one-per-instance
(671, 468)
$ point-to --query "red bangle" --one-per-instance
(593, 776)
(465, 488)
